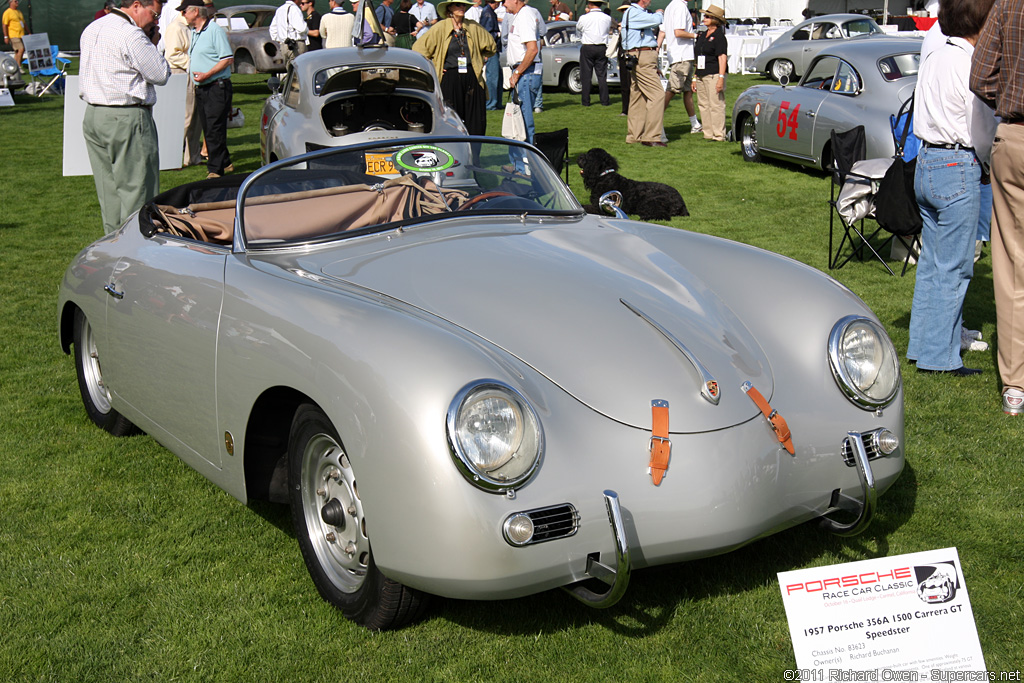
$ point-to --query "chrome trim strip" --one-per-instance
(617, 578)
(706, 378)
(864, 508)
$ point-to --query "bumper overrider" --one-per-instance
(617, 578)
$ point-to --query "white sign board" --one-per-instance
(6, 99)
(893, 618)
(37, 51)
(168, 113)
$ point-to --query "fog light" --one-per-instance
(886, 441)
(518, 529)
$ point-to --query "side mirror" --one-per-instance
(784, 81)
(274, 83)
(610, 202)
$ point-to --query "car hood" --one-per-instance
(557, 299)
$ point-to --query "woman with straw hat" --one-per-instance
(710, 51)
(458, 48)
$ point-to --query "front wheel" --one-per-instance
(330, 525)
(95, 395)
(572, 81)
(780, 68)
(748, 139)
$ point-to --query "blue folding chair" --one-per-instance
(55, 71)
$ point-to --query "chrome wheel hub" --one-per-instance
(334, 513)
(91, 370)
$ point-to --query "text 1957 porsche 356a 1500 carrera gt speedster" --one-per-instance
(466, 386)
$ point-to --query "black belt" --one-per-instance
(1015, 122)
(138, 105)
(640, 49)
(946, 145)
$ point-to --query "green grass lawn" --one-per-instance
(118, 562)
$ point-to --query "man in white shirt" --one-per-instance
(474, 12)
(593, 28)
(336, 26)
(426, 16)
(538, 63)
(677, 35)
(119, 68)
(290, 30)
(522, 48)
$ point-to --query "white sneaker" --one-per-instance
(537, 110)
(970, 340)
(1013, 402)
(697, 129)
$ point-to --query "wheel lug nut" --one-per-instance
(351, 510)
(321, 492)
(331, 538)
(350, 549)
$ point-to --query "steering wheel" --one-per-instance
(484, 196)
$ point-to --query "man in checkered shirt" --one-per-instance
(120, 67)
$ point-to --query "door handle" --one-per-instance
(113, 292)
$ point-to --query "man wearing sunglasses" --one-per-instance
(119, 68)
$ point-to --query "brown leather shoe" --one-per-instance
(659, 143)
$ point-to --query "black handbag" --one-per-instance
(896, 207)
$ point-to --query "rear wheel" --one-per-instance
(330, 525)
(95, 395)
(780, 68)
(244, 64)
(748, 139)
(572, 81)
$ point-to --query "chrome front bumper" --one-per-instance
(617, 578)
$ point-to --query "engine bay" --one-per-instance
(357, 113)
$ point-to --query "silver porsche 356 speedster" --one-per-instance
(466, 386)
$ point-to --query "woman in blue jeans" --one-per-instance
(956, 131)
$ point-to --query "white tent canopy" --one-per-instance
(776, 9)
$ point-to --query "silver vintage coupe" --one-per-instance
(792, 52)
(465, 386)
(353, 94)
(850, 84)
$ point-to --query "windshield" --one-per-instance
(345, 192)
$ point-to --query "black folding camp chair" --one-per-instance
(854, 182)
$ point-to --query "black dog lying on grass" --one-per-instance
(649, 201)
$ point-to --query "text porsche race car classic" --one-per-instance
(466, 386)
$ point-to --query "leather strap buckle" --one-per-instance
(660, 446)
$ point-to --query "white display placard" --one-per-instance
(906, 617)
(168, 113)
(6, 99)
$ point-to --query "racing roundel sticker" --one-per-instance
(757, 109)
(423, 158)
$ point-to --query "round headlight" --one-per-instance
(494, 435)
(863, 362)
(8, 65)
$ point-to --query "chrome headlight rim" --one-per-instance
(841, 374)
(465, 464)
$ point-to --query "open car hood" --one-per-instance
(555, 299)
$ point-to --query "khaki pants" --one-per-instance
(646, 99)
(1008, 250)
(712, 107)
(125, 159)
(193, 129)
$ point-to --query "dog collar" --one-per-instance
(606, 172)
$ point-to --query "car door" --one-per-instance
(789, 123)
(162, 319)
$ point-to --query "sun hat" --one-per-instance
(442, 7)
(716, 12)
(189, 3)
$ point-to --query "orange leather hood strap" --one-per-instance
(661, 447)
(777, 422)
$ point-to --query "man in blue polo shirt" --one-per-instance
(209, 66)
